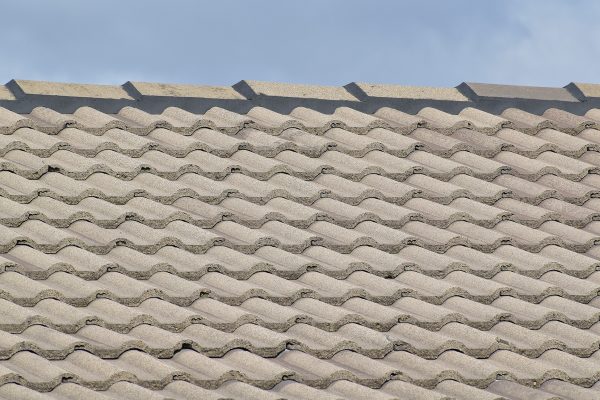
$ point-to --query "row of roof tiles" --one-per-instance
(161, 313)
(87, 265)
(19, 94)
(53, 344)
(251, 215)
(289, 390)
(178, 290)
(290, 162)
(321, 233)
(188, 365)
(311, 122)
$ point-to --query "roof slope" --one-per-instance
(276, 241)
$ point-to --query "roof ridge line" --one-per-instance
(24, 95)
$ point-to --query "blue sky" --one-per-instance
(424, 42)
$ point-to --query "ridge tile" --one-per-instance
(150, 89)
(253, 89)
(23, 88)
(477, 91)
(365, 91)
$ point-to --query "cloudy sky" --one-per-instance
(421, 42)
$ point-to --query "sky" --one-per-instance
(330, 42)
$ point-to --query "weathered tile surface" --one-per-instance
(307, 255)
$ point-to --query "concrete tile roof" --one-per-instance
(392, 243)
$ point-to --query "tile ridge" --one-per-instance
(22, 96)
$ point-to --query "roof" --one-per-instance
(276, 241)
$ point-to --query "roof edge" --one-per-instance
(24, 95)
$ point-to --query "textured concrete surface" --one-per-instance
(174, 90)
(364, 91)
(303, 254)
(40, 88)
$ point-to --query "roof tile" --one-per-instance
(365, 91)
(29, 88)
(252, 89)
(494, 91)
(150, 89)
